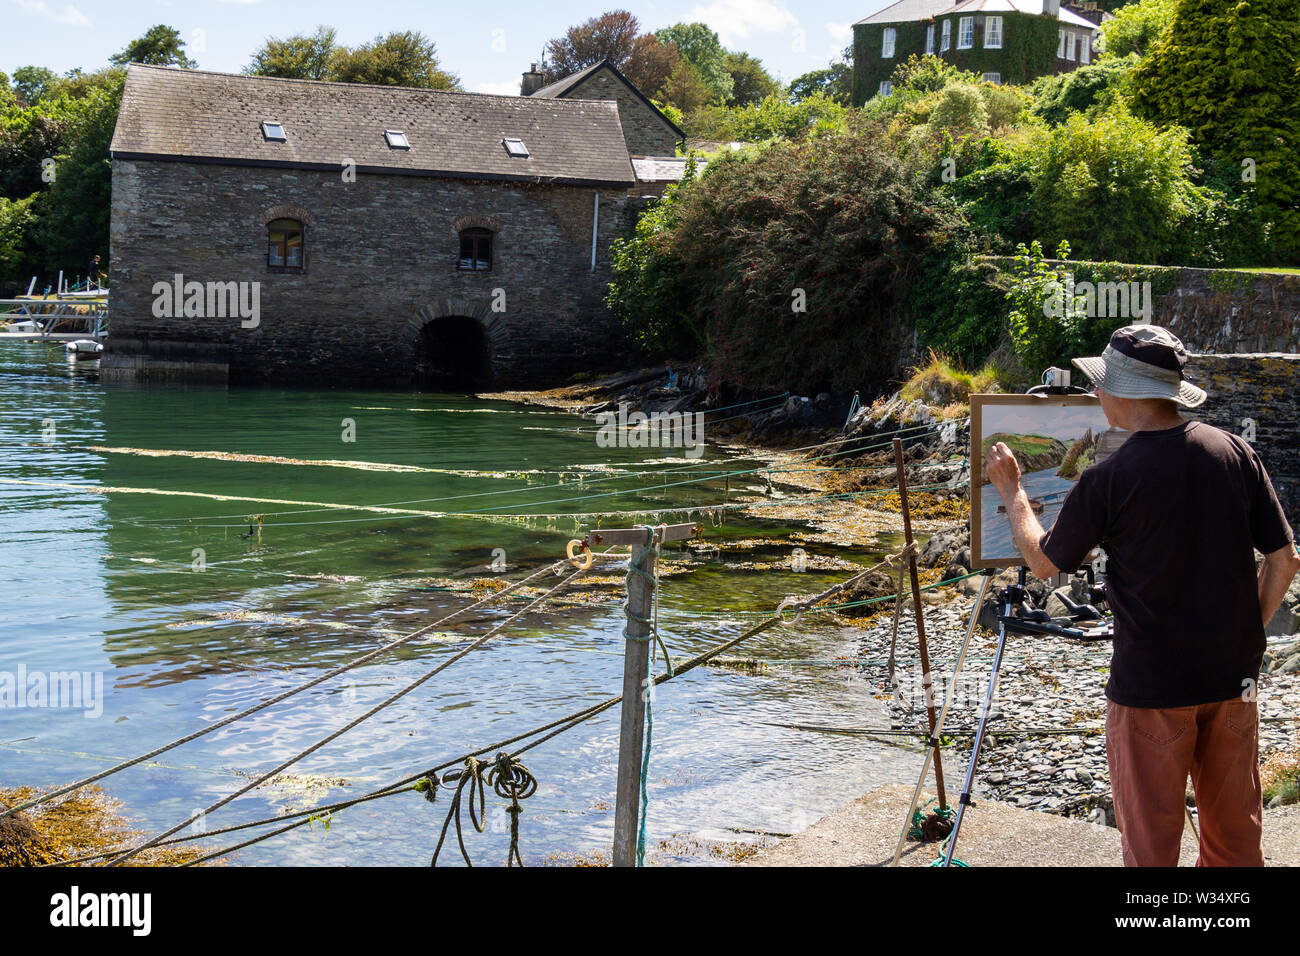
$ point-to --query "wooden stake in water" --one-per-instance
(636, 674)
(926, 683)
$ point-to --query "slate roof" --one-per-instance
(663, 169)
(200, 116)
(561, 88)
(1021, 6)
(906, 11)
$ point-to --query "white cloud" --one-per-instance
(736, 19)
(70, 16)
(841, 33)
(510, 88)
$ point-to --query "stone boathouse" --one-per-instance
(290, 230)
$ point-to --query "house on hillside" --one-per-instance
(268, 229)
(1005, 41)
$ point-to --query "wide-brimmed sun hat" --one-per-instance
(1143, 361)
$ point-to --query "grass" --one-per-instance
(944, 384)
(1280, 777)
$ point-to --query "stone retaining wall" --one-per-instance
(1259, 393)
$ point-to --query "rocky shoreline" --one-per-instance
(1045, 747)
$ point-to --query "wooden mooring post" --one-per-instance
(636, 672)
(927, 685)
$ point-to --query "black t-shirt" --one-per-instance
(1180, 513)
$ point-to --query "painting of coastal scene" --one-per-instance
(1055, 439)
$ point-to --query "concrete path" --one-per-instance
(865, 833)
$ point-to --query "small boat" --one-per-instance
(84, 348)
(1035, 505)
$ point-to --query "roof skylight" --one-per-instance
(396, 139)
(273, 131)
(516, 148)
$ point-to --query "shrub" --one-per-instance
(960, 110)
(1090, 89)
(799, 261)
(1115, 187)
(1135, 28)
(1049, 326)
(1230, 72)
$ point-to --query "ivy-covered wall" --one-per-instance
(1029, 43)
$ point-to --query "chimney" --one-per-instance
(1052, 8)
(532, 82)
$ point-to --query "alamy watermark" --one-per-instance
(1119, 300)
(79, 690)
(624, 429)
(208, 300)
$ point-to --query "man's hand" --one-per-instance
(1003, 471)
(1275, 576)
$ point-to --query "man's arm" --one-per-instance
(1275, 576)
(1004, 473)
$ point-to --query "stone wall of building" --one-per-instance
(381, 257)
(644, 129)
(1257, 396)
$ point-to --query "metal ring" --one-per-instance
(573, 558)
(789, 602)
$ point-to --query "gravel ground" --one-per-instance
(1045, 749)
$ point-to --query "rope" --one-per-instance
(551, 730)
(578, 470)
(278, 698)
(349, 725)
(491, 512)
(426, 781)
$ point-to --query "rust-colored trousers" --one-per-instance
(1152, 750)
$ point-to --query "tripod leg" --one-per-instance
(938, 727)
(965, 800)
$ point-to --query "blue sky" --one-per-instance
(487, 44)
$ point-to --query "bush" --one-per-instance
(1047, 325)
(959, 109)
(647, 295)
(771, 117)
(961, 307)
(799, 261)
(1090, 89)
(1116, 187)
(1135, 28)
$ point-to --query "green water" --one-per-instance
(187, 614)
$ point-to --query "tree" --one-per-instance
(16, 220)
(161, 46)
(702, 49)
(74, 212)
(1135, 28)
(298, 57)
(611, 36)
(750, 83)
(835, 81)
(1229, 71)
(684, 89)
(407, 58)
(650, 64)
(31, 83)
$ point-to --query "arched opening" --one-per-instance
(453, 356)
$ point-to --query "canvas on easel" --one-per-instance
(1054, 438)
